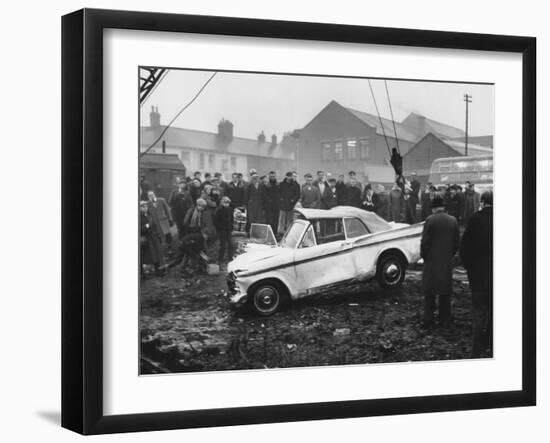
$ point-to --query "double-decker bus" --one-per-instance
(459, 170)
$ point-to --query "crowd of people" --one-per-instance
(202, 207)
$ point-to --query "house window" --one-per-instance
(211, 161)
(224, 164)
(326, 151)
(352, 149)
(364, 147)
(233, 163)
(338, 151)
(201, 161)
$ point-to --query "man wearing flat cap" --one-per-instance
(439, 244)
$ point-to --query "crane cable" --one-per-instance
(392, 119)
(379, 118)
(178, 114)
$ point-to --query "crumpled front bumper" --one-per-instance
(237, 296)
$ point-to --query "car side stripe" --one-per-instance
(306, 260)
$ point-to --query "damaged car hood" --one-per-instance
(260, 258)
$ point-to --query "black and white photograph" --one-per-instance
(291, 221)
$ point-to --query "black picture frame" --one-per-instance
(82, 215)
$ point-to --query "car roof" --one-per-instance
(369, 218)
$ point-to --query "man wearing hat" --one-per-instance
(439, 244)
(476, 252)
(253, 201)
(289, 194)
(426, 200)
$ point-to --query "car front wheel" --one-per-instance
(391, 271)
(266, 298)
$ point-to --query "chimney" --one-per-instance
(273, 140)
(154, 117)
(261, 137)
(225, 129)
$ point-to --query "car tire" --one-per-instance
(390, 271)
(266, 298)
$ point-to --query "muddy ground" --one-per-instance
(186, 324)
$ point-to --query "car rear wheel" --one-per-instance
(391, 271)
(266, 298)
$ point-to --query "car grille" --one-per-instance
(231, 285)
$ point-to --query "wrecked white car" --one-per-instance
(322, 250)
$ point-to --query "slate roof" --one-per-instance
(211, 141)
(403, 132)
(413, 121)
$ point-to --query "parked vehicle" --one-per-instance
(323, 250)
(459, 170)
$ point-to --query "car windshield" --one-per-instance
(294, 234)
(262, 234)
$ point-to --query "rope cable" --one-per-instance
(379, 118)
(392, 119)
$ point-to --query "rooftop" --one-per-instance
(211, 141)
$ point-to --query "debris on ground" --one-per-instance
(187, 325)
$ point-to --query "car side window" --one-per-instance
(329, 230)
(309, 238)
(355, 228)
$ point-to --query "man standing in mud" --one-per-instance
(476, 252)
(439, 244)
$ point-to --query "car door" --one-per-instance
(364, 255)
(324, 257)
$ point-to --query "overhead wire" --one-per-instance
(392, 119)
(179, 113)
(379, 118)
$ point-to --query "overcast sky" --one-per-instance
(279, 103)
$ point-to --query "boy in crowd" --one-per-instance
(223, 221)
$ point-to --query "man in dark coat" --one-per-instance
(426, 200)
(223, 221)
(253, 201)
(476, 252)
(330, 196)
(235, 191)
(195, 189)
(353, 193)
(370, 199)
(271, 201)
(438, 246)
(396, 203)
(412, 201)
(341, 190)
(150, 240)
(471, 202)
(180, 201)
(161, 216)
(289, 194)
(454, 203)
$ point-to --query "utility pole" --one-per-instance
(467, 99)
